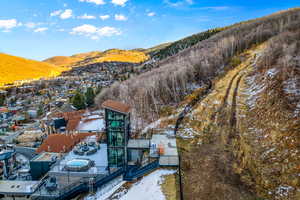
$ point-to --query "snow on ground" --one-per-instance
(148, 188)
(187, 133)
(292, 87)
(272, 72)
(92, 124)
(154, 124)
(107, 190)
(253, 91)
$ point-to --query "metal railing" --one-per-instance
(135, 173)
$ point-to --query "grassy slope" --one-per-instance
(112, 55)
(14, 68)
(61, 60)
(245, 134)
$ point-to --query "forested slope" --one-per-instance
(176, 76)
(241, 141)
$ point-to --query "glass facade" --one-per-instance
(116, 157)
(117, 129)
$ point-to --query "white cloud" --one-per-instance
(68, 13)
(40, 30)
(32, 24)
(86, 16)
(94, 32)
(85, 29)
(55, 13)
(108, 31)
(97, 2)
(119, 2)
(65, 5)
(8, 24)
(151, 14)
(95, 37)
(178, 3)
(120, 17)
(104, 17)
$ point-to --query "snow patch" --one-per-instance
(92, 123)
(149, 188)
(291, 86)
(284, 191)
(107, 190)
(253, 91)
(272, 72)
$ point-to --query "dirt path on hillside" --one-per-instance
(208, 168)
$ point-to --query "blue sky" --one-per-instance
(39, 29)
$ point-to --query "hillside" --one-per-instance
(169, 49)
(14, 68)
(112, 55)
(240, 138)
(62, 60)
(155, 48)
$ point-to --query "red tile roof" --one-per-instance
(73, 123)
(62, 143)
(116, 106)
(70, 115)
(72, 118)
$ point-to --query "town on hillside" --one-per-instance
(57, 144)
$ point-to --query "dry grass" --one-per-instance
(113, 55)
(62, 60)
(14, 68)
(170, 187)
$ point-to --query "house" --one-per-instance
(62, 143)
(74, 122)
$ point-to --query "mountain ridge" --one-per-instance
(110, 55)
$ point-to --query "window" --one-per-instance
(116, 157)
(116, 138)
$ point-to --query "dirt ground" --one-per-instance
(207, 160)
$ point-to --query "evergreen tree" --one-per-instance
(40, 111)
(89, 96)
(99, 88)
(78, 101)
(2, 100)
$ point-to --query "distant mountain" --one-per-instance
(112, 55)
(62, 60)
(13, 68)
(155, 48)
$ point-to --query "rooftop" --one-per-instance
(99, 157)
(167, 149)
(62, 143)
(138, 144)
(116, 106)
(46, 156)
(18, 187)
(70, 115)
